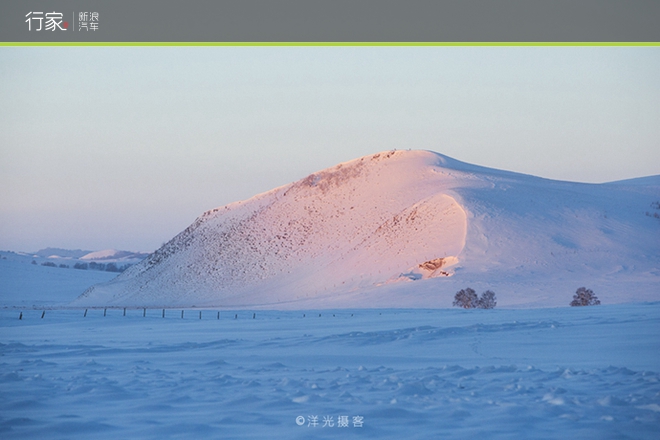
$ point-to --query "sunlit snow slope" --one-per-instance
(406, 229)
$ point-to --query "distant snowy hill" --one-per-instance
(60, 253)
(69, 256)
(407, 229)
(113, 255)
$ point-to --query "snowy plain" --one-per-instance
(321, 320)
(587, 373)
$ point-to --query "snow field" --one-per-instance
(541, 373)
(25, 285)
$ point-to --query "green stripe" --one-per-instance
(321, 44)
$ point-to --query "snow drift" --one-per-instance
(405, 229)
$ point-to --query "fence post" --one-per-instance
(20, 316)
(144, 312)
(181, 314)
(163, 313)
(218, 315)
(43, 314)
(200, 314)
(124, 311)
(104, 311)
(85, 313)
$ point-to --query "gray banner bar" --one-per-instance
(330, 21)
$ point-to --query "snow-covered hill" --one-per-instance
(60, 253)
(113, 255)
(407, 229)
(69, 256)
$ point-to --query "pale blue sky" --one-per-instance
(124, 147)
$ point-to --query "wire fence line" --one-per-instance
(163, 313)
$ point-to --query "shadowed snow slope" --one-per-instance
(406, 229)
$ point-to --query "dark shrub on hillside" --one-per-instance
(487, 300)
(111, 267)
(466, 298)
(584, 297)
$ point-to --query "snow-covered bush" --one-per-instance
(584, 297)
(467, 299)
(487, 300)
